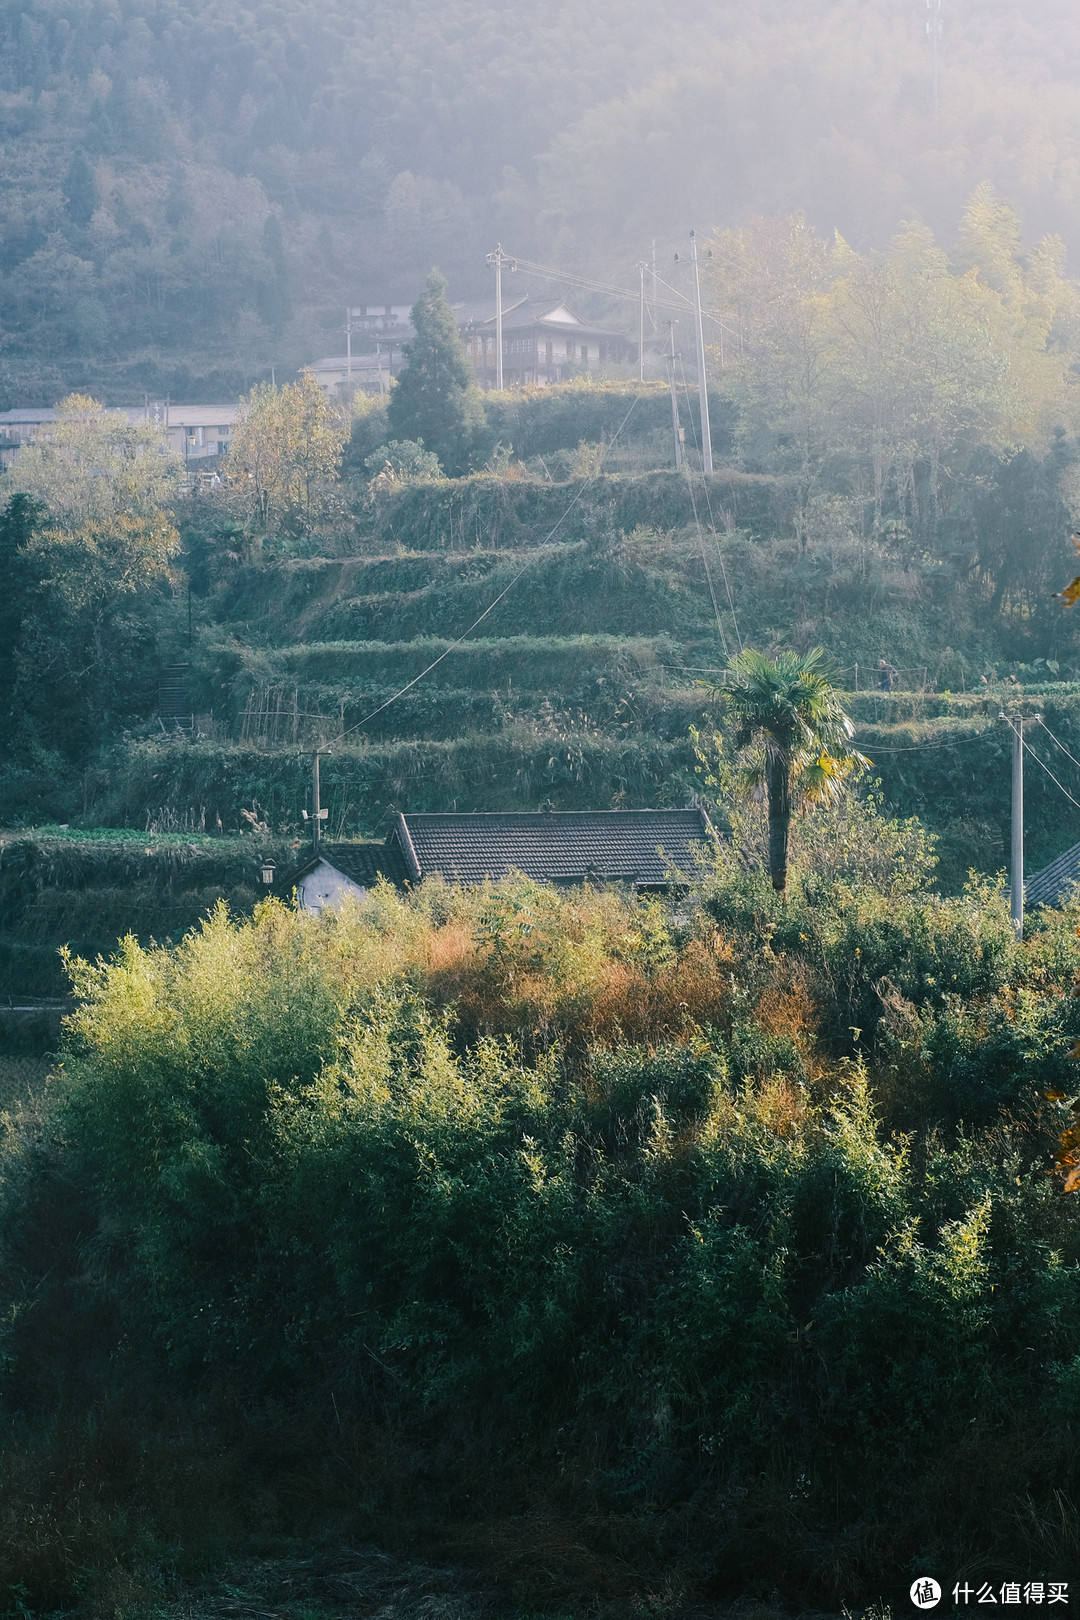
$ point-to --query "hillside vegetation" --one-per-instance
(617, 1248)
(191, 196)
(592, 607)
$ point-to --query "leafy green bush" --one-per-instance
(577, 1189)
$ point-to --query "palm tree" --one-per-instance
(788, 707)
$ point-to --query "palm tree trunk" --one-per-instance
(778, 784)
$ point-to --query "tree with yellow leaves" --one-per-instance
(285, 456)
(93, 464)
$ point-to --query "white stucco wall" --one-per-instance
(326, 886)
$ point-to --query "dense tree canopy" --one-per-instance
(190, 194)
(883, 374)
(93, 464)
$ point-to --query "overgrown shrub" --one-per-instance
(575, 1193)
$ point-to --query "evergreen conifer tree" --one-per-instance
(18, 523)
(436, 399)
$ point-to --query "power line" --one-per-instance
(704, 558)
(1059, 743)
(549, 273)
(924, 748)
(492, 605)
(1050, 773)
(712, 525)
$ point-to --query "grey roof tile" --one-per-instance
(560, 846)
(365, 863)
(1051, 885)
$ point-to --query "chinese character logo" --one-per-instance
(925, 1592)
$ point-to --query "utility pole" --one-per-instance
(348, 356)
(652, 312)
(498, 259)
(1016, 861)
(703, 392)
(674, 398)
(316, 812)
(641, 324)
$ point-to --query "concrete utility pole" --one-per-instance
(316, 812)
(498, 259)
(641, 324)
(674, 398)
(348, 356)
(703, 392)
(1016, 861)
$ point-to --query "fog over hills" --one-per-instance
(192, 192)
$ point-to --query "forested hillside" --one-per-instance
(710, 1252)
(190, 194)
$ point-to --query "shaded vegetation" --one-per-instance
(722, 1233)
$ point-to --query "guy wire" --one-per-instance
(712, 521)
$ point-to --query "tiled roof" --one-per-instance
(31, 413)
(1051, 885)
(521, 319)
(364, 863)
(483, 313)
(560, 846)
(179, 415)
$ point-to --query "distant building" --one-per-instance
(194, 432)
(344, 871)
(640, 847)
(647, 849)
(381, 321)
(340, 376)
(21, 427)
(542, 343)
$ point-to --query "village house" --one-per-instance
(650, 850)
(542, 343)
(193, 432)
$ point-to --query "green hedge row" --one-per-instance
(486, 511)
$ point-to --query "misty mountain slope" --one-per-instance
(189, 194)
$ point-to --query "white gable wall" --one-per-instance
(326, 886)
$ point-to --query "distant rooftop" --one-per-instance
(642, 847)
(1053, 884)
(179, 415)
(364, 863)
